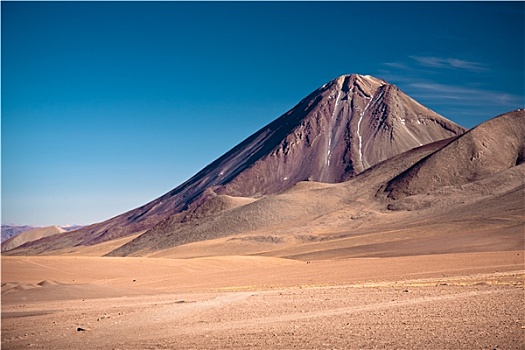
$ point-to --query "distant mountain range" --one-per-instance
(357, 146)
(9, 231)
(30, 236)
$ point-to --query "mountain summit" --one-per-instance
(341, 129)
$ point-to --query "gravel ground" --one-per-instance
(386, 316)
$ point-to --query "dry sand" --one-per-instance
(463, 300)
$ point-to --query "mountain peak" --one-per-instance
(341, 129)
(346, 81)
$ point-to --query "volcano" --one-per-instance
(338, 131)
(462, 194)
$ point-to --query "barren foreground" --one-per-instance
(447, 301)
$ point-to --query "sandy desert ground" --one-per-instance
(441, 301)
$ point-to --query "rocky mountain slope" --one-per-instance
(488, 149)
(445, 187)
(341, 129)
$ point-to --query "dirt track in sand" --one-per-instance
(435, 302)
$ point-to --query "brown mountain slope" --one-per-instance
(298, 207)
(332, 212)
(355, 218)
(29, 236)
(346, 126)
(487, 149)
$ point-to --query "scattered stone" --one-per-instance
(405, 291)
(82, 329)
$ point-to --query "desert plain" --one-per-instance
(469, 300)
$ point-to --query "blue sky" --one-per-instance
(106, 106)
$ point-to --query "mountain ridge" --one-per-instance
(491, 147)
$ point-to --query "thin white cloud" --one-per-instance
(410, 77)
(436, 91)
(471, 99)
(396, 65)
(449, 63)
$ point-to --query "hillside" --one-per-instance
(9, 231)
(361, 216)
(30, 236)
(341, 129)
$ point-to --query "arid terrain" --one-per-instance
(442, 301)
(396, 229)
